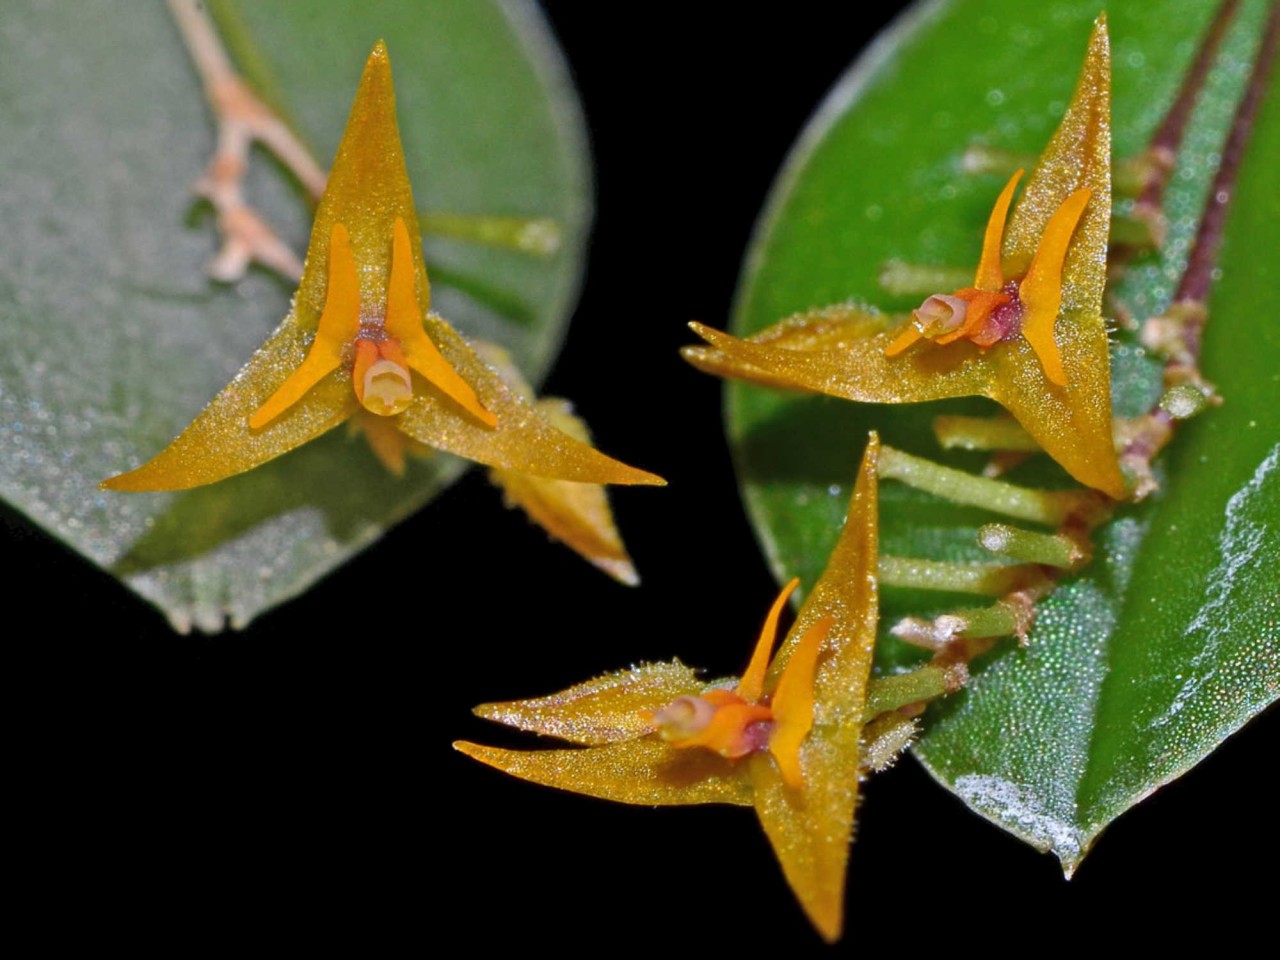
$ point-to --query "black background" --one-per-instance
(298, 775)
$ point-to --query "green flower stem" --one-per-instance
(1000, 620)
(1010, 617)
(890, 693)
(539, 236)
(1049, 507)
(982, 433)
(1052, 549)
(984, 579)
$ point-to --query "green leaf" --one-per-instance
(111, 336)
(1168, 642)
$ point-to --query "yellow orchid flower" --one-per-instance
(1028, 333)
(361, 341)
(785, 738)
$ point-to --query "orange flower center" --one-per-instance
(385, 349)
(742, 721)
(997, 308)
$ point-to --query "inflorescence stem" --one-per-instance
(1162, 152)
(1178, 333)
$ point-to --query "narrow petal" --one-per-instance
(1041, 289)
(645, 771)
(322, 359)
(523, 439)
(576, 514)
(989, 275)
(219, 443)
(404, 322)
(751, 686)
(792, 704)
(811, 829)
(608, 709)
(339, 322)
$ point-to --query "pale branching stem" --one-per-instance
(242, 119)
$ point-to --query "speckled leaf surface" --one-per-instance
(1143, 663)
(111, 336)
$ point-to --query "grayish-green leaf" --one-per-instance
(112, 338)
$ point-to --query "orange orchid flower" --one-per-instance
(1029, 332)
(361, 342)
(785, 738)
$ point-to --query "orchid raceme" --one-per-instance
(1028, 333)
(785, 738)
(361, 342)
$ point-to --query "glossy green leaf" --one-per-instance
(1166, 644)
(111, 336)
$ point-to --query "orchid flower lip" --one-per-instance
(993, 309)
(381, 336)
(748, 719)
